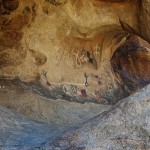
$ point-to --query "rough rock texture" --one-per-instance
(80, 51)
(67, 45)
(58, 114)
(125, 126)
(131, 63)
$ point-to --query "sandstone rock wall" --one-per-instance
(64, 44)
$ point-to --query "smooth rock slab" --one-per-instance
(20, 133)
(125, 127)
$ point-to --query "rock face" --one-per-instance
(125, 126)
(75, 53)
(18, 132)
(130, 63)
(67, 45)
(59, 114)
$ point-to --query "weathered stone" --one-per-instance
(57, 113)
(125, 126)
(10, 38)
(71, 38)
(10, 4)
(62, 49)
(15, 23)
(39, 58)
(19, 132)
(130, 63)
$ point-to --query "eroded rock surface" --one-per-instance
(71, 41)
(131, 63)
(126, 126)
(59, 114)
(79, 51)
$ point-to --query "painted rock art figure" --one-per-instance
(44, 73)
(96, 52)
(78, 61)
(97, 55)
(86, 81)
(84, 58)
(83, 93)
(70, 89)
(89, 58)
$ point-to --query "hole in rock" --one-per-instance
(130, 63)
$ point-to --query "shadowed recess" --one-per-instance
(130, 63)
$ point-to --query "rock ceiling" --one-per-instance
(70, 48)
